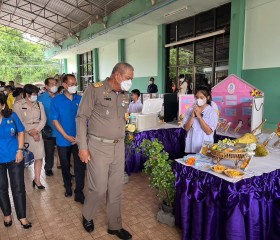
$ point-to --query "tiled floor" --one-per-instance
(55, 217)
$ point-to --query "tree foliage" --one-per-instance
(23, 61)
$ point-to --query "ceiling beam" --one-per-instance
(77, 6)
(43, 17)
(95, 5)
(45, 11)
(33, 20)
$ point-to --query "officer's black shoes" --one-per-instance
(49, 173)
(121, 234)
(88, 225)
(80, 198)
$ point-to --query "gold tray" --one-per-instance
(227, 172)
(214, 169)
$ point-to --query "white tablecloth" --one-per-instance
(162, 126)
(257, 166)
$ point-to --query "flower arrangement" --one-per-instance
(256, 93)
(180, 120)
(130, 132)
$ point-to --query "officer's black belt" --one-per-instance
(103, 139)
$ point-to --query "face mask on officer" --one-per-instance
(126, 85)
(5, 92)
(72, 89)
(32, 98)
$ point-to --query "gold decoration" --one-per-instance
(98, 84)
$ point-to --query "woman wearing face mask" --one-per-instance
(11, 161)
(183, 85)
(32, 115)
(200, 121)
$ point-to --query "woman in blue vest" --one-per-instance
(11, 161)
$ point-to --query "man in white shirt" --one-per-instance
(183, 85)
(135, 106)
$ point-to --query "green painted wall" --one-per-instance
(141, 83)
(267, 80)
(121, 50)
(96, 64)
(237, 26)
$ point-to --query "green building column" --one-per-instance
(237, 26)
(78, 70)
(96, 64)
(65, 64)
(161, 78)
(121, 50)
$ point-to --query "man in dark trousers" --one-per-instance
(152, 88)
(64, 108)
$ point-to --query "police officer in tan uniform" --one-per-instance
(100, 136)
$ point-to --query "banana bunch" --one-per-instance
(223, 144)
(228, 142)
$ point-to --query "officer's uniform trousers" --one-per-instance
(105, 174)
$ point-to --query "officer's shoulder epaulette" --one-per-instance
(98, 84)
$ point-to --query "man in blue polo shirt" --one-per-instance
(49, 141)
(64, 109)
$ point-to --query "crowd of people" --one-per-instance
(91, 129)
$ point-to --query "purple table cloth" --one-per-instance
(173, 140)
(210, 208)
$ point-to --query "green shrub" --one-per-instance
(158, 166)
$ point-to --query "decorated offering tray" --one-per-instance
(237, 157)
(228, 149)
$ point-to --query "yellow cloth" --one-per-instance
(10, 101)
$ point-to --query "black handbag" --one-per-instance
(47, 132)
(28, 157)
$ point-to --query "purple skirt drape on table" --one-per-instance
(210, 208)
(173, 140)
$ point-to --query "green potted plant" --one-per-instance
(161, 176)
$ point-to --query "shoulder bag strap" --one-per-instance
(40, 110)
